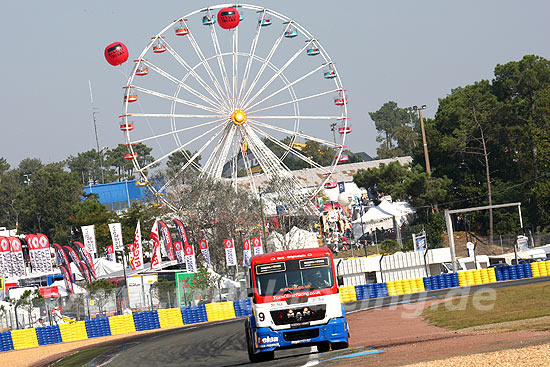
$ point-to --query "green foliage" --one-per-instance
(92, 211)
(397, 130)
(100, 291)
(389, 246)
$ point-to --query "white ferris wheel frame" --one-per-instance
(220, 99)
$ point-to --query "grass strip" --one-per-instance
(82, 357)
(485, 307)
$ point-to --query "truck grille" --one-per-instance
(301, 334)
(298, 315)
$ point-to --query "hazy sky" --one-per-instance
(411, 52)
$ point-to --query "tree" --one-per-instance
(163, 290)
(88, 166)
(91, 211)
(389, 246)
(29, 300)
(473, 111)
(46, 202)
(101, 291)
(397, 130)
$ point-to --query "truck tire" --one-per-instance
(255, 357)
(340, 345)
(323, 347)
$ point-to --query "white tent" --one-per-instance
(105, 267)
(383, 216)
(60, 284)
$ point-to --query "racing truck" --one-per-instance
(295, 303)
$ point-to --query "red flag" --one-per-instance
(86, 258)
(154, 235)
(167, 239)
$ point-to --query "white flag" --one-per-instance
(156, 257)
(230, 255)
(257, 245)
(88, 232)
(203, 244)
(190, 261)
(116, 235)
(137, 250)
(247, 253)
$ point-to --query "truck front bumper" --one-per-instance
(265, 339)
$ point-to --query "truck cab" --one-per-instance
(295, 303)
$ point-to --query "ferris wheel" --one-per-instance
(236, 93)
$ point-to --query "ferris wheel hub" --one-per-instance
(238, 117)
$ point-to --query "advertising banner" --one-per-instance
(34, 256)
(17, 260)
(110, 253)
(257, 246)
(67, 278)
(86, 258)
(5, 257)
(419, 242)
(167, 240)
(88, 233)
(116, 236)
(137, 250)
(190, 261)
(203, 244)
(44, 256)
(247, 253)
(60, 255)
(156, 258)
(178, 248)
(230, 255)
(183, 235)
(76, 260)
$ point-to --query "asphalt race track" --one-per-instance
(223, 343)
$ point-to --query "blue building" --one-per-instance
(118, 196)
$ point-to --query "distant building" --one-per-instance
(118, 196)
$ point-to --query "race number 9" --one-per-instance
(261, 316)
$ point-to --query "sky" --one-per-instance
(410, 52)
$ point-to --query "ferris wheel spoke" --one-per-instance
(273, 167)
(223, 96)
(293, 101)
(291, 132)
(176, 131)
(284, 88)
(264, 64)
(235, 63)
(192, 159)
(180, 148)
(181, 84)
(174, 115)
(198, 78)
(296, 117)
(292, 151)
(248, 167)
(250, 57)
(217, 158)
(221, 64)
(294, 57)
(175, 99)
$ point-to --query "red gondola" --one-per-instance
(331, 185)
(343, 158)
(127, 127)
(131, 97)
(180, 29)
(130, 156)
(344, 130)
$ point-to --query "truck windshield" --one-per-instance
(293, 276)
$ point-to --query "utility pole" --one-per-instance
(333, 129)
(99, 152)
(425, 144)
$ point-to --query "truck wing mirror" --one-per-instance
(340, 280)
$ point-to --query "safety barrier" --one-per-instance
(121, 324)
(170, 317)
(173, 317)
(146, 320)
(48, 335)
(194, 314)
(220, 311)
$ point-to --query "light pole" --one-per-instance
(426, 156)
(263, 219)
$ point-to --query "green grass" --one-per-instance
(511, 304)
(80, 358)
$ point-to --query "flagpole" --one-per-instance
(125, 278)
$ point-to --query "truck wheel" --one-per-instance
(340, 345)
(323, 347)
